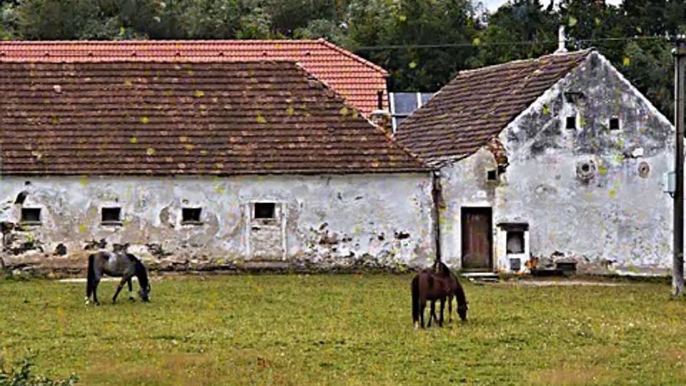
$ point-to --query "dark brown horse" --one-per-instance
(434, 284)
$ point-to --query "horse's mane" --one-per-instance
(141, 272)
(441, 268)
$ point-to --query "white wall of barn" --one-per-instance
(590, 194)
(320, 219)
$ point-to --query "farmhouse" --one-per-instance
(558, 157)
(202, 162)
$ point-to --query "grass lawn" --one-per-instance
(344, 330)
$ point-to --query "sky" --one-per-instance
(492, 5)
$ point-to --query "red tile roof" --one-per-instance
(170, 118)
(477, 104)
(356, 79)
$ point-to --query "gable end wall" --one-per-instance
(609, 214)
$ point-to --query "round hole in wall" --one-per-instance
(585, 170)
(643, 169)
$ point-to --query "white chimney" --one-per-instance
(561, 40)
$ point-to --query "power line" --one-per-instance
(518, 43)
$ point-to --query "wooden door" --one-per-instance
(477, 237)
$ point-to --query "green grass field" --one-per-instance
(344, 330)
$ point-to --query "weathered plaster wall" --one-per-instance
(320, 219)
(464, 185)
(586, 192)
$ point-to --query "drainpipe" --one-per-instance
(436, 212)
(678, 261)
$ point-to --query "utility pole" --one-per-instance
(678, 267)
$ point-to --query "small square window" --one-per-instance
(571, 123)
(30, 215)
(492, 175)
(614, 123)
(111, 215)
(265, 210)
(515, 242)
(191, 215)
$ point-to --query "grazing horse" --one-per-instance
(116, 264)
(436, 284)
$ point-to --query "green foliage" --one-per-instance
(516, 22)
(22, 375)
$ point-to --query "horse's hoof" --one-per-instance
(97, 303)
(416, 326)
(132, 300)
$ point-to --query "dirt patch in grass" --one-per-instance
(591, 375)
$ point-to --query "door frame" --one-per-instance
(280, 221)
(464, 210)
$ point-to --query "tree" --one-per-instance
(412, 23)
(212, 19)
(516, 22)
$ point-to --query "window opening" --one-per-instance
(190, 215)
(265, 210)
(30, 215)
(614, 123)
(571, 123)
(515, 242)
(492, 175)
(111, 215)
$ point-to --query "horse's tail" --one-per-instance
(415, 299)
(90, 279)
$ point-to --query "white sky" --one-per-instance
(492, 5)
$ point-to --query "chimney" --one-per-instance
(561, 40)
(381, 117)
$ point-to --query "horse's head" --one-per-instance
(144, 293)
(462, 311)
(142, 275)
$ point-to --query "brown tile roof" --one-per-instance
(477, 104)
(157, 118)
(356, 79)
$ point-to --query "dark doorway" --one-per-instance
(477, 239)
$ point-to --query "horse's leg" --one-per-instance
(95, 290)
(131, 290)
(119, 288)
(450, 309)
(421, 310)
(433, 313)
(442, 308)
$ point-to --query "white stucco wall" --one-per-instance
(325, 219)
(617, 215)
